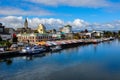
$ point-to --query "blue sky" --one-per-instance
(89, 12)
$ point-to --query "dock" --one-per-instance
(9, 53)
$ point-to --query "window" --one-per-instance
(39, 37)
(1, 29)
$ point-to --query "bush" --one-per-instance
(5, 43)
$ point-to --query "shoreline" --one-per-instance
(68, 44)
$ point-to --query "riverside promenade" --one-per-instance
(63, 43)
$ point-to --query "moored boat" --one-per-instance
(56, 48)
(33, 50)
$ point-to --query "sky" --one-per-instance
(80, 14)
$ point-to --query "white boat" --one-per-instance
(56, 48)
(32, 50)
(111, 38)
(37, 49)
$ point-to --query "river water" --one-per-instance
(86, 62)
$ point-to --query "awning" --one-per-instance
(41, 43)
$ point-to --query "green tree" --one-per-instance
(68, 25)
(108, 33)
(86, 31)
(119, 32)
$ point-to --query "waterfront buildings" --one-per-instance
(92, 34)
(33, 37)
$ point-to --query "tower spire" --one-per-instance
(26, 24)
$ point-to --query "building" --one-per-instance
(3, 34)
(57, 36)
(67, 32)
(25, 29)
(41, 29)
(95, 34)
(53, 31)
(33, 37)
(67, 29)
(10, 30)
(26, 24)
(2, 28)
(38, 35)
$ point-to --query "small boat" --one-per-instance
(111, 38)
(56, 48)
(37, 49)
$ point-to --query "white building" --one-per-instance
(97, 34)
(5, 36)
(67, 29)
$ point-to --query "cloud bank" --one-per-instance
(77, 24)
(21, 12)
(75, 3)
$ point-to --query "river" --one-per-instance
(86, 62)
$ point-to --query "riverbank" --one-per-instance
(63, 43)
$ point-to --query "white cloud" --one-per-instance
(77, 24)
(80, 23)
(16, 11)
(49, 23)
(76, 3)
(12, 21)
(17, 22)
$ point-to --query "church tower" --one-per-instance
(26, 24)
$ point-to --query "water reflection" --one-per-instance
(8, 61)
(95, 47)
